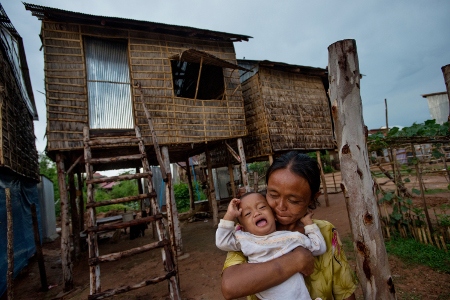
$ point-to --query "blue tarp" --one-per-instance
(23, 194)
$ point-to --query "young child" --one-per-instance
(258, 239)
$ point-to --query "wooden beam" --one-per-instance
(39, 254)
(10, 245)
(66, 260)
(211, 193)
(243, 165)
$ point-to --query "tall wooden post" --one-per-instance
(80, 200)
(190, 186)
(74, 213)
(324, 182)
(446, 72)
(172, 211)
(10, 245)
(243, 165)
(66, 260)
(39, 254)
(212, 194)
(232, 185)
(357, 183)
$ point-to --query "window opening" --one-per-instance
(188, 75)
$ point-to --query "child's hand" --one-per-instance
(307, 219)
(233, 210)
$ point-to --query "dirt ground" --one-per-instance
(200, 269)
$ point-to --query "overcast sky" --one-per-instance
(402, 45)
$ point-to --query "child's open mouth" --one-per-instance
(261, 223)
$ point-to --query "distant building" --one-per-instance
(438, 104)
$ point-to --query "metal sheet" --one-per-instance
(109, 90)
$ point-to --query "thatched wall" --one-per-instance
(297, 110)
(176, 120)
(18, 149)
(286, 108)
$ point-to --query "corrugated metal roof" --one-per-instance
(43, 12)
(196, 56)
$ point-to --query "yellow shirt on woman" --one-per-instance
(332, 277)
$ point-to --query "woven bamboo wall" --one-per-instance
(284, 111)
(257, 142)
(18, 149)
(297, 111)
(176, 120)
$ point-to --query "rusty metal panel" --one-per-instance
(108, 83)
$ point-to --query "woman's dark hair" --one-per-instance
(301, 165)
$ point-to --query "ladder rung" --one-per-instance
(124, 289)
(106, 141)
(106, 160)
(118, 178)
(127, 253)
(121, 200)
(107, 227)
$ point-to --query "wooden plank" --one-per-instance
(117, 178)
(124, 289)
(127, 253)
(121, 200)
(106, 160)
(109, 227)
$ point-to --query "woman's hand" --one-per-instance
(247, 279)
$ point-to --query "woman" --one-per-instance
(293, 186)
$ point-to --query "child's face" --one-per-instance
(256, 217)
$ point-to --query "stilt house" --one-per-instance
(286, 108)
(111, 81)
(97, 67)
(19, 168)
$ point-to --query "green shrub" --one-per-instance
(181, 191)
(412, 252)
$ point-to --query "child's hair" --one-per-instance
(250, 193)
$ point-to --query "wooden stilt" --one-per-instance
(232, 185)
(39, 254)
(243, 165)
(190, 186)
(172, 212)
(255, 181)
(212, 195)
(74, 213)
(10, 245)
(66, 259)
(322, 176)
(80, 201)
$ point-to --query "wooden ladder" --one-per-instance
(95, 259)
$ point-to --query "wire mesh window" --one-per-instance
(185, 77)
(108, 83)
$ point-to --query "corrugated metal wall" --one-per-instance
(108, 84)
(438, 106)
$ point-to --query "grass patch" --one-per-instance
(435, 191)
(412, 252)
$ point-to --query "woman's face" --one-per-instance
(289, 196)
